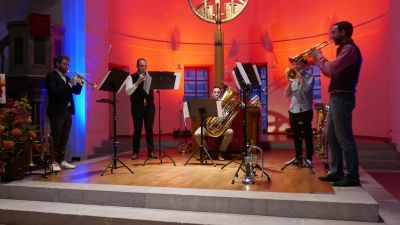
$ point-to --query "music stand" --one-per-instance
(245, 77)
(113, 82)
(166, 81)
(206, 107)
(301, 124)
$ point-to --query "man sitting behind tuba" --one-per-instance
(300, 111)
(228, 134)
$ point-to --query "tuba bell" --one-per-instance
(319, 137)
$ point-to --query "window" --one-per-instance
(262, 71)
(316, 71)
(196, 83)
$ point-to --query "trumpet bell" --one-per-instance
(291, 74)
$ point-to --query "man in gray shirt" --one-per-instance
(300, 112)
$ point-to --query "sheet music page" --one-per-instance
(104, 79)
(236, 80)
(147, 82)
(123, 84)
(219, 109)
(258, 75)
(185, 112)
(243, 73)
(177, 80)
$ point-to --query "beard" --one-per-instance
(338, 40)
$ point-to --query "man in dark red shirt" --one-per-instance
(343, 72)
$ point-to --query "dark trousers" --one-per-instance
(340, 134)
(60, 127)
(302, 128)
(140, 114)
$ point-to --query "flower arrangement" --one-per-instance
(17, 134)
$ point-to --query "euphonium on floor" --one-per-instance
(319, 137)
(251, 162)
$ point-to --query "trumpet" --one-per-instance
(291, 73)
(81, 80)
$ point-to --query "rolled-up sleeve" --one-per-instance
(129, 86)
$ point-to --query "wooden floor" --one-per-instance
(196, 175)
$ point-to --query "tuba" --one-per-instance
(319, 137)
(230, 106)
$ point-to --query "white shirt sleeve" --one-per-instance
(129, 86)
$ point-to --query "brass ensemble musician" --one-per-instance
(228, 134)
(300, 111)
(142, 109)
(60, 108)
(343, 73)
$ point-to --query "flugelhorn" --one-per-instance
(81, 80)
(291, 73)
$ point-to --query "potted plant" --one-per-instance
(17, 137)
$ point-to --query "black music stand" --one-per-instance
(206, 107)
(166, 81)
(301, 123)
(113, 82)
(245, 78)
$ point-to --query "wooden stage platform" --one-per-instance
(196, 175)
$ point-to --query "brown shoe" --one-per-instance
(220, 157)
(152, 156)
(134, 156)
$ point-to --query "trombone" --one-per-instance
(81, 80)
(291, 73)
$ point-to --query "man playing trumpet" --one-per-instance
(60, 109)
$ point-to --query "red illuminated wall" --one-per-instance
(167, 33)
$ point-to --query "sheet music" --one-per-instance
(122, 84)
(147, 83)
(177, 80)
(104, 79)
(219, 109)
(236, 80)
(185, 112)
(257, 75)
(243, 73)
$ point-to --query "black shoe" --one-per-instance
(330, 178)
(152, 156)
(134, 156)
(297, 162)
(347, 182)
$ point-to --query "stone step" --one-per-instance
(354, 203)
(380, 164)
(38, 212)
(378, 155)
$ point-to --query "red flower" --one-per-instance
(8, 144)
(18, 122)
(2, 117)
(16, 132)
(1, 128)
(13, 111)
(32, 134)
